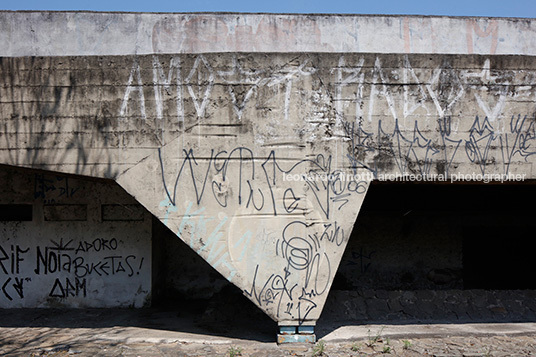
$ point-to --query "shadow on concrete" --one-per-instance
(426, 307)
(228, 315)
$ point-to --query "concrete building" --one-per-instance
(254, 139)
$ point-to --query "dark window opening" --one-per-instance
(16, 212)
(415, 236)
(498, 258)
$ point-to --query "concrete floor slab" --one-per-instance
(150, 332)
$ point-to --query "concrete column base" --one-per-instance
(296, 334)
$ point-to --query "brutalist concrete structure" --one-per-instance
(253, 137)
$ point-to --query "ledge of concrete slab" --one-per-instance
(363, 332)
(53, 33)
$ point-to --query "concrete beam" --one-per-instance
(34, 33)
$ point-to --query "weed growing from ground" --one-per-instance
(234, 351)
(372, 340)
(319, 348)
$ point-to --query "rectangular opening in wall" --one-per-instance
(16, 212)
(65, 212)
(116, 212)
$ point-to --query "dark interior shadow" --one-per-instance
(228, 315)
(437, 253)
(350, 308)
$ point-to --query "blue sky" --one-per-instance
(497, 8)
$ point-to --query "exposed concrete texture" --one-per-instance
(68, 252)
(385, 114)
(214, 145)
(88, 34)
(247, 157)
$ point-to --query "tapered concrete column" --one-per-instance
(272, 222)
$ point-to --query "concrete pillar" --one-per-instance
(273, 222)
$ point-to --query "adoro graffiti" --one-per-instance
(63, 270)
(71, 260)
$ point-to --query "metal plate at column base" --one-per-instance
(296, 338)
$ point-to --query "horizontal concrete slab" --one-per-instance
(32, 33)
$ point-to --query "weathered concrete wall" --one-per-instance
(214, 145)
(384, 114)
(82, 243)
(89, 34)
(260, 161)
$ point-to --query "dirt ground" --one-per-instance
(444, 346)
